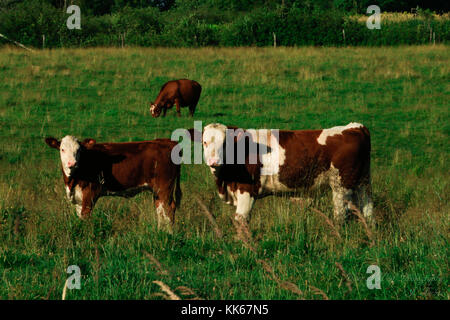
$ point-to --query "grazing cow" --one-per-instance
(289, 162)
(92, 170)
(181, 92)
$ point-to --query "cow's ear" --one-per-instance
(52, 142)
(195, 135)
(89, 143)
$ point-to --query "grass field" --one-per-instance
(401, 94)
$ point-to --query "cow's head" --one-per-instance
(69, 149)
(213, 139)
(155, 110)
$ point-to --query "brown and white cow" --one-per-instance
(92, 170)
(289, 162)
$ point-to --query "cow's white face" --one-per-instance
(152, 108)
(155, 111)
(70, 154)
(213, 142)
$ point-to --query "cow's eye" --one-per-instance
(62, 150)
(204, 142)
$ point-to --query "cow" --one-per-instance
(92, 170)
(289, 162)
(183, 92)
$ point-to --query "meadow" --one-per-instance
(295, 252)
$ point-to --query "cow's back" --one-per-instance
(139, 163)
(189, 90)
(304, 159)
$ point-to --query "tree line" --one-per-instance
(195, 23)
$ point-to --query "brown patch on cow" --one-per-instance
(349, 153)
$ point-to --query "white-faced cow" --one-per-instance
(92, 170)
(277, 162)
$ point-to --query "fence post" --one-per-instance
(274, 40)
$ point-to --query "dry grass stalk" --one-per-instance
(185, 291)
(283, 284)
(169, 294)
(158, 265)
(363, 221)
(302, 202)
(268, 269)
(210, 217)
(334, 231)
(64, 291)
(291, 287)
(243, 234)
(319, 292)
(49, 293)
(344, 275)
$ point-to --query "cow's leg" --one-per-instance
(364, 199)
(76, 197)
(192, 110)
(164, 111)
(87, 204)
(165, 214)
(244, 204)
(341, 198)
(177, 103)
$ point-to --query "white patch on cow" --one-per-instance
(69, 150)
(231, 197)
(364, 197)
(162, 217)
(274, 156)
(75, 197)
(78, 194)
(322, 139)
(223, 197)
(68, 193)
(213, 139)
(244, 205)
(78, 199)
(152, 109)
(79, 208)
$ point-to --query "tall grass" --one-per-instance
(401, 94)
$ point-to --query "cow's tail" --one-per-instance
(178, 193)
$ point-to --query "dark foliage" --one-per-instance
(192, 23)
